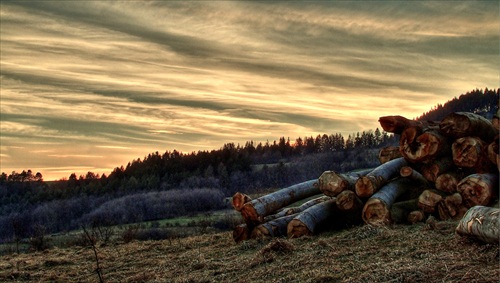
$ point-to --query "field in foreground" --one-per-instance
(418, 253)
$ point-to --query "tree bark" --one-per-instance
(312, 220)
(422, 146)
(273, 228)
(433, 169)
(428, 200)
(254, 211)
(397, 124)
(367, 185)
(241, 233)
(294, 210)
(239, 199)
(332, 183)
(478, 189)
(448, 182)
(482, 223)
(462, 124)
(451, 207)
(471, 152)
(348, 200)
(389, 153)
(377, 209)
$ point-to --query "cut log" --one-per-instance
(367, 185)
(332, 183)
(294, 210)
(397, 124)
(418, 146)
(462, 124)
(389, 153)
(348, 200)
(254, 211)
(312, 220)
(451, 207)
(377, 209)
(241, 233)
(478, 189)
(401, 210)
(273, 228)
(416, 216)
(428, 200)
(471, 152)
(482, 223)
(239, 199)
(448, 182)
(436, 167)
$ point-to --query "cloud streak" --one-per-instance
(83, 80)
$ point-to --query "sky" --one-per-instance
(93, 85)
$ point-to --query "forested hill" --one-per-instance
(174, 184)
(484, 102)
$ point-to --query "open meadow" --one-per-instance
(399, 253)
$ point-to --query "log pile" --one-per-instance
(440, 169)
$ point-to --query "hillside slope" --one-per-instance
(418, 253)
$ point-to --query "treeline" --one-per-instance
(142, 189)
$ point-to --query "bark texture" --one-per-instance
(462, 124)
(367, 185)
(294, 210)
(482, 223)
(273, 228)
(254, 211)
(312, 220)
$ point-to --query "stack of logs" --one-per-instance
(440, 168)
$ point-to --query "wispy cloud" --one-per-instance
(90, 79)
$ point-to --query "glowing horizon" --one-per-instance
(94, 85)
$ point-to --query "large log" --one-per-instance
(436, 167)
(367, 185)
(397, 124)
(482, 223)
(313, 219)
(471, 152)
(462, 124)
(254, 211)
(377, 209)
(389, 153)
(428, 200)
(451, 207)
(294, 210)
(423, 145)
(332, 183)
(274, 228)
(478, 189)
(239, 199)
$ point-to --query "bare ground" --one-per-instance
(418, 253)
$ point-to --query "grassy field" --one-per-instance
(418, 253)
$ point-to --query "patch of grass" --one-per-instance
(418, 253)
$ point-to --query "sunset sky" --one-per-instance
(92, 85)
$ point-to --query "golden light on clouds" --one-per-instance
(92, 85)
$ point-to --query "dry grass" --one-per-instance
(418, 253)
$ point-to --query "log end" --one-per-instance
(416, 216)
(364, 187)
(376, 213)
(241, 233)
(331, 183)
(260, 232)
(297, 229)
(239, 199)
(250, 215)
